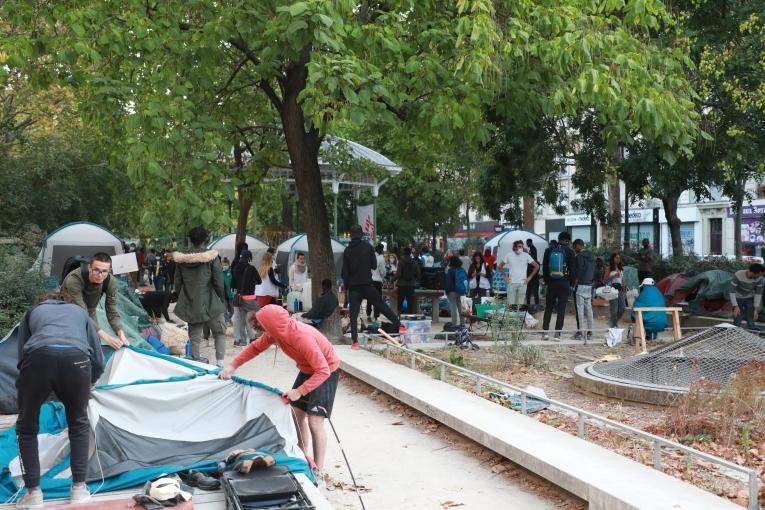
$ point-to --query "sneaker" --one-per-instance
(577, 336)
(32, 499)
(220, 363)
(556, 337)
(402, 328)
(545, 336)
(240, 343)
(355, 346)
(80, 493)
(588, 337)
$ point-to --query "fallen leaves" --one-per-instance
(450, 504)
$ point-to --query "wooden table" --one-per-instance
(640, 329)
(433, 295)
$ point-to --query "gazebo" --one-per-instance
(340, 181)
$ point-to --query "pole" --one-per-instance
(374, 220)
(335, 213)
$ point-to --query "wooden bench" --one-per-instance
(640, 329)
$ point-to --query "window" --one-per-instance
(715, 236)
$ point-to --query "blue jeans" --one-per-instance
(159, 283)
(745, 311)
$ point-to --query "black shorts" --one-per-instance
(321, 398)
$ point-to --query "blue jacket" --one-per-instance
(651, 297)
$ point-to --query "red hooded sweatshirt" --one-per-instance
(311, 351)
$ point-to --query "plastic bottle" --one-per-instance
(405, 305)
(296, 305)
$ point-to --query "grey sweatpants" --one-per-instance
(218, 331)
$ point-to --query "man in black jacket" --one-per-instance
(359, 260)
(559, 268)
(324, 306)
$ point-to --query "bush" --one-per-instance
(18, 287)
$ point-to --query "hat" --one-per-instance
(245, 255)
(647, 282)
(164, 489)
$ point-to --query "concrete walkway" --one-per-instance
(605, 479)
(402, 466)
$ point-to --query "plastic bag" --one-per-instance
(632, 294)
(614, 336)
(531, 322)
(607, 292)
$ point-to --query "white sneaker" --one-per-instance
(80, 493)
(220, 363)
(32, 499)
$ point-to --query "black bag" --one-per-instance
(80, 262)
(269, 487)
(433, 278)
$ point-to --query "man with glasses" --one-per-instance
(86, 288)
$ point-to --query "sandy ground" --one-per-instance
(403, 459)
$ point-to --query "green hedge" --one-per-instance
(18, 287)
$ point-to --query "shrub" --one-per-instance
(18, 287)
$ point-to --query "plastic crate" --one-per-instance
(481, 309)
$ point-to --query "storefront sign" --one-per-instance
(749, 211)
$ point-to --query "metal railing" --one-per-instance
(659, 443)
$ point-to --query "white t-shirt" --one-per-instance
(518, 263)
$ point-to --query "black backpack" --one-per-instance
(79, 262)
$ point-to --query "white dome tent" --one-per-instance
(286, 252)
(226, 247)
(502, 243)
(77, 238)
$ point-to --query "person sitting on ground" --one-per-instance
(651, 296)
(298, 273)
(268, 290)
(87, 291)
(313, 393)
(324, 306)
(200, 294)
(59, 352)
(746, 295)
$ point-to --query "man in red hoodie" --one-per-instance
(313, 393)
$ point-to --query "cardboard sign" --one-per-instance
(127, 263)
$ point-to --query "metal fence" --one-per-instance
(660, 444)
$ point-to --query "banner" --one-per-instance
(366, 216)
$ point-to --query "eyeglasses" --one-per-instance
(100, 272)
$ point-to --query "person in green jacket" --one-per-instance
(227, 277)
(200, 294)
(88, 294)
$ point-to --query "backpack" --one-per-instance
(79, 262)
(460, 281)
(558, 266)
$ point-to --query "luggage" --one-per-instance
(272, 488)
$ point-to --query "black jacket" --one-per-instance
(323, 308)
(358, 261)
(244, 279)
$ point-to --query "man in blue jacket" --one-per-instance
(650, 296)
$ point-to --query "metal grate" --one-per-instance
(715, 355)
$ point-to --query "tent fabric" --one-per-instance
(705, 287)
(286, 252)
(77, 238)
(670, 286)
(502, 243)
(631, 277)
(152, 414)
(226, 247)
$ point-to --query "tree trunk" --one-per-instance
(673, 222)
(528, 213)
(287, 213)
(303, 148)
(245, 202)
(611, 229)
(737, 206)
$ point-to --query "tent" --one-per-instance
(285, 253)
(226, 247)
(670, 287)
(152, 414)
(78, 238)
(502, 243)
(708, 293)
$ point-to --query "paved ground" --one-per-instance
(402, 466)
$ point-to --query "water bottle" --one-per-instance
(405, 305)
(295, 305)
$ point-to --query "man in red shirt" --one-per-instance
(313, 393)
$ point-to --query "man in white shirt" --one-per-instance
(517, 279)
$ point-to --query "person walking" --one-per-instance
(407, 275)
(313, 394)
(378, 277)
(199, 293)
(532, 288)
(613, 275)
(243, 283)
(456, 286)
(518, 277)
(746, 295)
(558, 266)
(585, 273)
(59, 353)
(359, 259)
(645, 259)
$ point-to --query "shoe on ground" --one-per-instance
(220, 363)
(32, 499)
(556, 337)
(80, 494)
(196, 478)
(402, 328)
(355, 346)
(240, 343)
(545, 336)
(577, 336)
